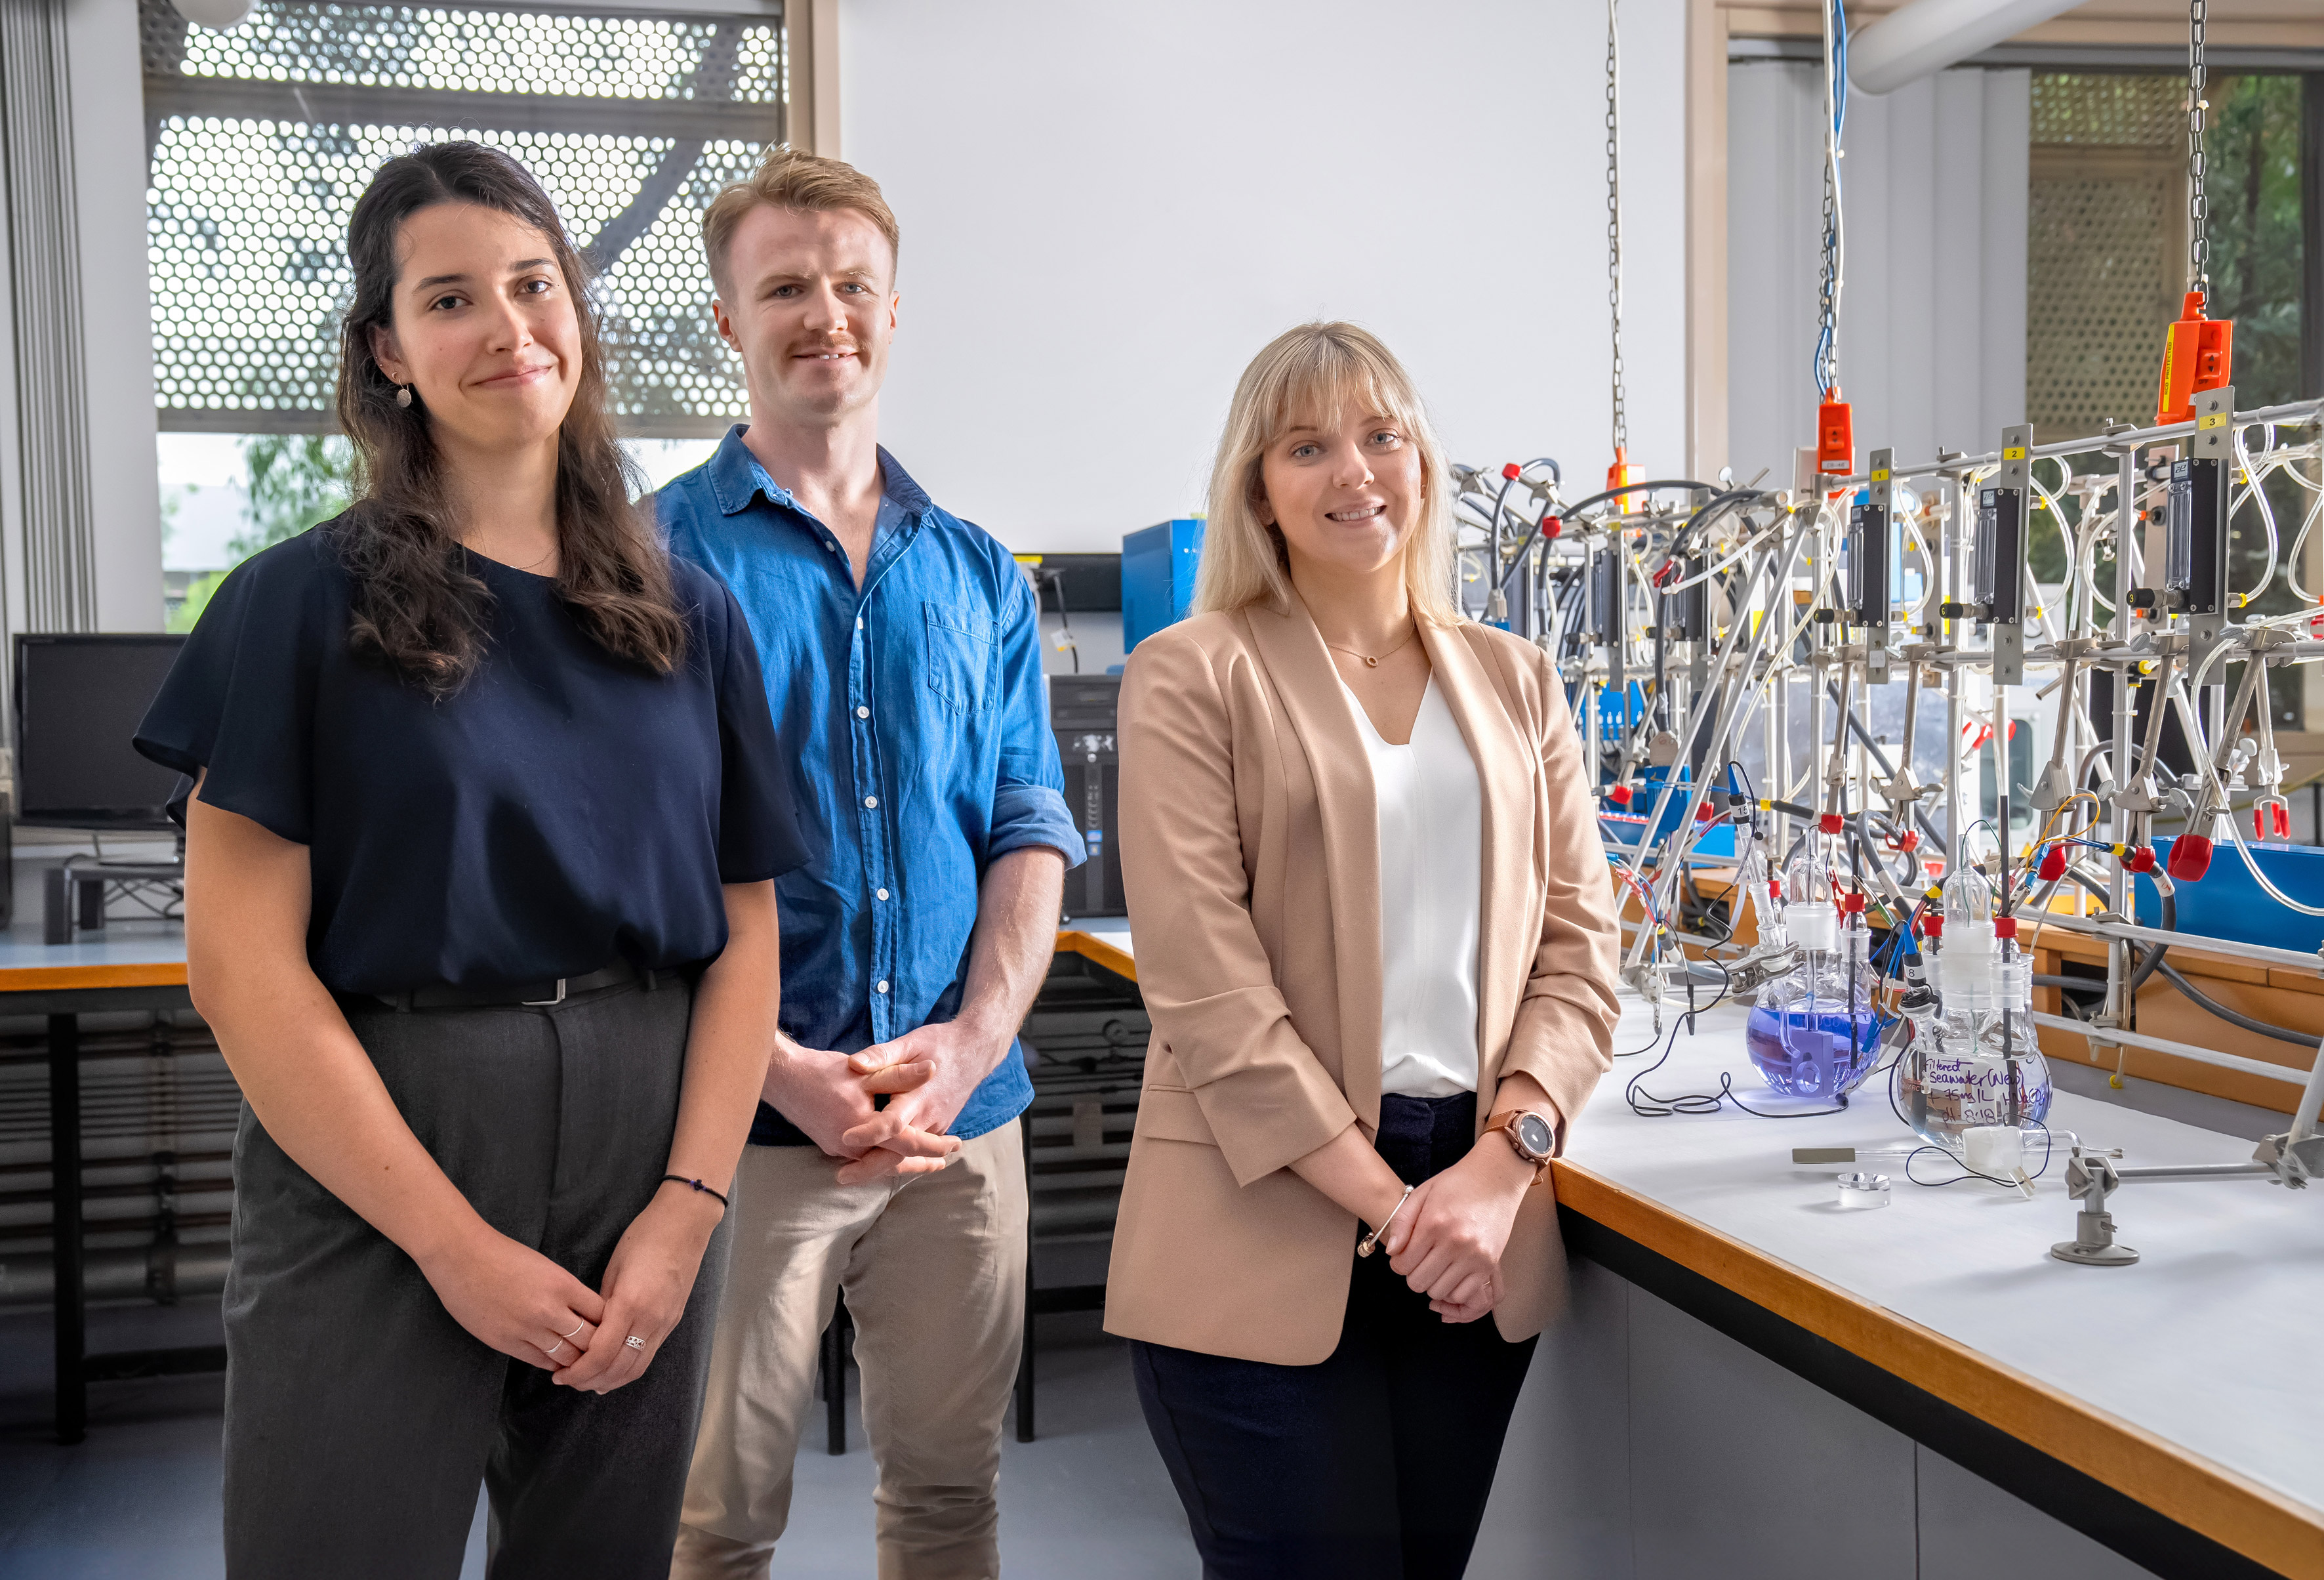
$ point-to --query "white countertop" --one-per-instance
(2213, 1341)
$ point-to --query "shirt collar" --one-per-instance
(736, 478)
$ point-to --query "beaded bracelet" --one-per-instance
(698, 1185)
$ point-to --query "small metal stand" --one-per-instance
(2290, 1160)
(2090, 1177)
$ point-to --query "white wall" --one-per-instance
(1932, 317)
(1107, 209)
(109, 167)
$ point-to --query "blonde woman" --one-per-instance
(1376, 938)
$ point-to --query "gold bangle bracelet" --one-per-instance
(1365, 1246)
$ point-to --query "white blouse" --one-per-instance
(1430, 854)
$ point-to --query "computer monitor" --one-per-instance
(79, 700)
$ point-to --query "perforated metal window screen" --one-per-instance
(263, 137)
(2115, 110)
(2105, 246)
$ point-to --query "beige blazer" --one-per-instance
(1250, 854)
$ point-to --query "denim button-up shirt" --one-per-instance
(914, 725)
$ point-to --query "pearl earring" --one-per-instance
(404, 395)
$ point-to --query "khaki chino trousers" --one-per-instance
(934, 1268)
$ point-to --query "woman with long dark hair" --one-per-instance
(479, 855)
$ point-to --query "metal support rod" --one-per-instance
(2195, 1171)
(64, 1226)
(2311, 1096)
(2265, 953)
(2209, 1055)
(2291, 411)
(2123, 826)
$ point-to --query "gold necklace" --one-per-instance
(1370, 662)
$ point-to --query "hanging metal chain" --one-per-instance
(1614, 216)
(2199, 203)
(1828, 284)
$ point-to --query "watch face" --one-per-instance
(1534, 1134)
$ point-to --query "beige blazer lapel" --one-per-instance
(1507, 880)
(1301, 668)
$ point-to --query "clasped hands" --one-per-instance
(1448, 1240)
(926, 1074)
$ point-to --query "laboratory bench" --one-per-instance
(129, 967)
(1751, 1380)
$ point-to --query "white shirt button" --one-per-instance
(862, 712)
(871, 800)
(829, 547)
(859, 622)
(880, 986)
(882, 893)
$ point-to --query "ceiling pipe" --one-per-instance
(1926, 36)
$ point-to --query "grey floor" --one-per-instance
(140, 1498)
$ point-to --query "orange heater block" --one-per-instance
(2198, 355)
(1835, 436)
(1622, 473)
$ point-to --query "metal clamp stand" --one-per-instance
(2289, 1159)
(2090, 1178)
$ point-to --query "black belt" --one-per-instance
(531, 995)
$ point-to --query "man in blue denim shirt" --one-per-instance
(902, 656)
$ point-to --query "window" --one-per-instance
(261, 137)
(2107, 262)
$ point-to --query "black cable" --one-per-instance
(2210, 1005)
(1066, 621)
(1646, 1105)
(1895, 1067)
(1568, 511)
(2153, 962)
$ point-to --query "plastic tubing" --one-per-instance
(2050, 502)
(1748, 547)
(2254, 479)
(2234, 823)
(2291, 560)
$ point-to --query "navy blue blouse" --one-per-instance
(564, 809)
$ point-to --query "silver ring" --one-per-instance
(554, 1348)
(577, 1328)
(635, 1342)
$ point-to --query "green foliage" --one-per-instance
(197, 598)
(2252, 181)
(294, 480)
(291, 481)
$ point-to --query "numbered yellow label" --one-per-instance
(2212, 420)
(1880, 474)
(2015, 452)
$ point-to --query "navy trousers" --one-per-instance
(1375, 1464)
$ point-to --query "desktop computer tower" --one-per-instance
(1081, 712)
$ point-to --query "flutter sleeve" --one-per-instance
(239, 704)
(758, 824)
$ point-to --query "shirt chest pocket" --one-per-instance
(961, 654)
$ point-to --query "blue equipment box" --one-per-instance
(1158, 577)
(1627, 828)
(2225, 903)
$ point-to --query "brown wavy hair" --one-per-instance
(417, 605)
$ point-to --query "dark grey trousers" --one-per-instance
(359, 1417)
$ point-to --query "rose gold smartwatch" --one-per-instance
(1531, 1136)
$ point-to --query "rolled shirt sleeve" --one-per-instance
(1028, 798)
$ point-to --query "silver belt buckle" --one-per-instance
(547, 1003)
